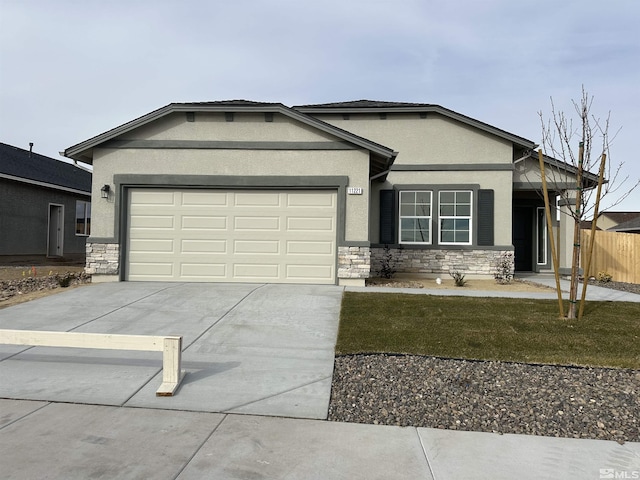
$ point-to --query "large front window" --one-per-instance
(415, 217)
(83, 217)
(455, 217)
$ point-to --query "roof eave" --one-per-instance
(83, 151)
(426, 108)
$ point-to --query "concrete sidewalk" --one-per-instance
(70, 441)
(594, 293)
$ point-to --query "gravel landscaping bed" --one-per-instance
(623, 287)
(10, 288)
(499, 397)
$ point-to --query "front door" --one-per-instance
(56, 231)
(523, 238)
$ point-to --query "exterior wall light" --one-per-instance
(104, 191)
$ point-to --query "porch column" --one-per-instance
(566, 226)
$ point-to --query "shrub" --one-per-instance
(604, 277)
(458, 278)
(388, 263)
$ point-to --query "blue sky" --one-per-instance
(72, 69)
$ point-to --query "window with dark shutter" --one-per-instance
(485, 217)
(387, 216)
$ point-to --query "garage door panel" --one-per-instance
(257, 199)
(203, 222)
(152, 197)
(204, 198)
(257, 223)
(297, 247)
(151, 269)
(204, 271)
(309, 272)
(151, 245)
(256, 271)
(256, 246)
(151, 221)
(310, 200)
(310, 224)
(203, 246)
(232, 236)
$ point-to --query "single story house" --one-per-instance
(45, 206)
(240, 191)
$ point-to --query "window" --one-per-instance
(455, 217)
(541, 235)
(415, 217)
(83, 217)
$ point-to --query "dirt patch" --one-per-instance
(19, 284)
(24, 272)
(449, 284)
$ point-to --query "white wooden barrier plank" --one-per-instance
(172, 373)
(170, 346)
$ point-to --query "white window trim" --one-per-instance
(545, 240)
(400, 217)
(85, 202)
(450, 217)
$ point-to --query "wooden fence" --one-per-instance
(615, 253)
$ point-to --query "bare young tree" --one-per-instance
(581, 148)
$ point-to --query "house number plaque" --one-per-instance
(354, 190)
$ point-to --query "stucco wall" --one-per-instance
(432, 140)
(527, 173)
(24, 219)
(438, 140)
(214, 126)
(499, 181)
(233, 162)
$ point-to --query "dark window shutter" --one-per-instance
(387, 216)
(485, 217)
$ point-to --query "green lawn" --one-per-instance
(517, 330)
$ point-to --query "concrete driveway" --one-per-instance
(247, 348)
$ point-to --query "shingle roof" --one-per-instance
(371, 106)
(33, 167)
(235, 103)
(632, 225)
(366, 104)
(621, 217)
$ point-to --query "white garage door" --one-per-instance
(231, 236)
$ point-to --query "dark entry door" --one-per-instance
(523, 238)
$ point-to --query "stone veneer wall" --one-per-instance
(103, 259)
(354, 262)
(417, 261)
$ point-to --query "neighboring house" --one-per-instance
(611, 220)
(630, 226)
(239, 191)
(45, 206)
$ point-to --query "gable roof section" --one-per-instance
(632, 225)
(29, 167)
(382, 157)
(374, 106)
(621, 217)
(590, 179)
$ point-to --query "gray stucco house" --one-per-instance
(45, 206)
(239, 191)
